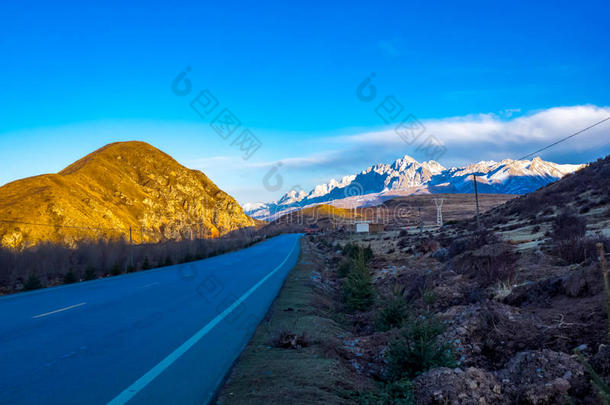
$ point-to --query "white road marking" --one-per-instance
(154, 372)
(59, 310)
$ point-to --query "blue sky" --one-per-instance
(491, 81)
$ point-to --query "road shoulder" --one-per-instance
(291, 358)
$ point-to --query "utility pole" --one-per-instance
(476, 196)
(130, 248)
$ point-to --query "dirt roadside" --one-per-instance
(291, 358)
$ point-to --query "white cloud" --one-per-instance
(300, 162)
(468, 139)
(510, 137)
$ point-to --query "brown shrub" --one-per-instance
(472, 242)
(489, 265)
(579, 250)
(568, 226)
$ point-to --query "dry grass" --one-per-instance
(503, 290)
(277, 373)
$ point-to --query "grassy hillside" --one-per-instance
(121, 185)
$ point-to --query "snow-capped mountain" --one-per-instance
(505, 177)
(407, 176)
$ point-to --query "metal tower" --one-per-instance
(439, 210)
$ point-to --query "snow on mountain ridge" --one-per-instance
(323, 189)
(505, 177)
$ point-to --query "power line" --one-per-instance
(62, 226)
(565, 139)
(85, 227)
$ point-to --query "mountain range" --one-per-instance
(121, 188)
(406, 176)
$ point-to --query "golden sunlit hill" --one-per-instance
(325, 216)
(326, 210)
(119, 186)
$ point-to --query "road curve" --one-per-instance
(162, 336)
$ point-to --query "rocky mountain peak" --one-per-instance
(406, 175)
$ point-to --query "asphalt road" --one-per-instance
(163, 336)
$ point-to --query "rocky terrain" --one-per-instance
(514, 312)
(119, 186)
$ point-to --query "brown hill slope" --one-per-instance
(586, 192)
(121, 185)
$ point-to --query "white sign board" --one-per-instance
(362, 227)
